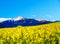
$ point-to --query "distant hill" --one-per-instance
(25, 22)
(20, 21)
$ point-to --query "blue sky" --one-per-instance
(37, 9)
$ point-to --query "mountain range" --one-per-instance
(20, 21)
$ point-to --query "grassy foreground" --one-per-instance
(41, 34)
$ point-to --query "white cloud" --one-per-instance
(34, 15)
(49, 16)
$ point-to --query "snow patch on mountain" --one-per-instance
(15, 19)
(4, 19)
(18, 18)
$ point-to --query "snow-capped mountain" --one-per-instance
(20, 21)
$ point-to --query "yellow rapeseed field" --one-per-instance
(41, 34)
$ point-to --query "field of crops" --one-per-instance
(41, 34)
